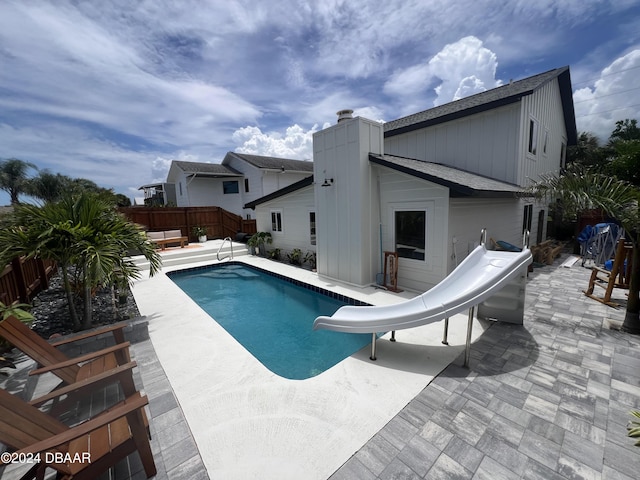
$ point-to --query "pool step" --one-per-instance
(197, 253)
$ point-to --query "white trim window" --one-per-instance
(410, 233)
(533, 136)
(276, 220)
(545, 143)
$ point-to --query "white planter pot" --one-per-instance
(202, 238)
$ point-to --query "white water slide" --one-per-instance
(479, 276)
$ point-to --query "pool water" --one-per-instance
(271, 317)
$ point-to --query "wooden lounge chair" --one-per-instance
(92, 370)
(104, 440)
(618, 277)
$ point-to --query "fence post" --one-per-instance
(16, 264)
(42, 273)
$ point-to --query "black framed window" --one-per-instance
(410, 233)
(230, 186)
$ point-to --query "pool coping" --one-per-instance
(245, 418)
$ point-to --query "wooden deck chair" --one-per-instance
(618, 277)
(104, 440)
(92, 370)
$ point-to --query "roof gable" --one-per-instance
(294, 187)
(490, 99)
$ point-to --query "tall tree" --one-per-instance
(13, 177)
(587, 151)
(582, 189)
(625, 130)
(48, 187)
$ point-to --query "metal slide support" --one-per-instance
(373, 347)
(393, 336)
(467, 348)
(446, 331)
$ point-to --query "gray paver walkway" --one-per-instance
(547, 400)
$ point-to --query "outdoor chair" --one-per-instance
(86, 372)
(83, 451)
(618, 277)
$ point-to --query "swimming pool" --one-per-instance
(272, 316)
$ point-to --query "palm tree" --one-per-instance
(581, 189)
(85, 235)
(13, 177)
(48, 187)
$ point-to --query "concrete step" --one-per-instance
(195, 254)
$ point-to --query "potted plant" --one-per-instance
(274, 254)
(295, 257)
(258, 241)
(200, 233)
(310, 258)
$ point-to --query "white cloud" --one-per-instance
(460, 69)
(614, 96)
(296, 142)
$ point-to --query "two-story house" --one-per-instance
(239, 179)
(426, 184)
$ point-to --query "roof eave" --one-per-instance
(455, 189)
(459, 114)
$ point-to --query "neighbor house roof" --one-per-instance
(200, 169)
(496, 97)
(459, 182)
(305, 182)
(271, 163)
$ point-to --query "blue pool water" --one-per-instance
(271, 317)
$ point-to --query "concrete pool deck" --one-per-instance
(549, 400)
(250, 423)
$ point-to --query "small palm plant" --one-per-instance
(634, 427)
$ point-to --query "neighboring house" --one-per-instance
(239, 179)
(425, 185)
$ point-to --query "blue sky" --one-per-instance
(113, 90)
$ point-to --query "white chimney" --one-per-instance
(344, 115)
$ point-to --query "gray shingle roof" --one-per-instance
(459, 182)
(211, 169)
(273, 163)
(496, 97)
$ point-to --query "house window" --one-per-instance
(563, 153)
(230, 186)
(246, 185)
(533, 136)
(180, 187)
(276, 221)
(312, 227)
(545, 142)
(410, 233)
(527, 218)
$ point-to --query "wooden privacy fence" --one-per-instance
(218, 222)
(22, 279)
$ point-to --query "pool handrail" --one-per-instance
(230, 257)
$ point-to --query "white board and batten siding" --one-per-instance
(399, 191)
(347, 218)
(294, 209)
(485, 143)
(544, 107)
